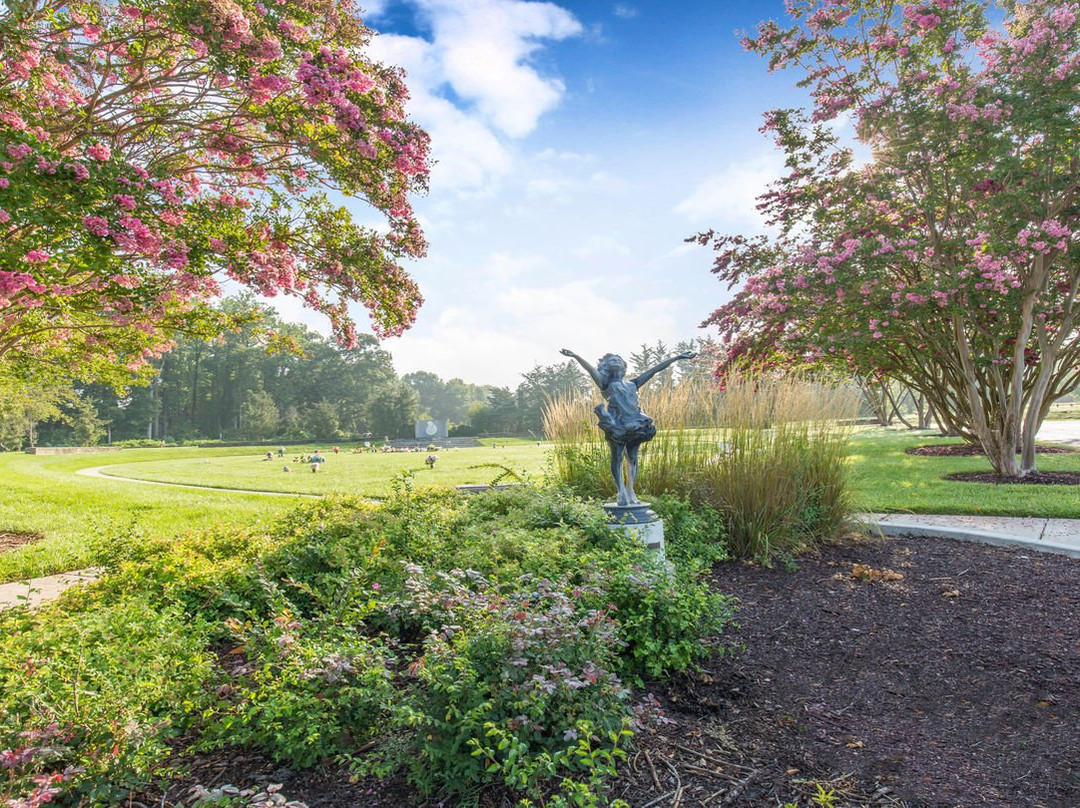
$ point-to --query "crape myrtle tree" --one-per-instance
(948, 261)
(150, 149)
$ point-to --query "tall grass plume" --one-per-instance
(768, 452)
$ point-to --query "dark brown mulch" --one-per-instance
(1031, 478)
(973, 450)
(10, 540)
(955, 685)
(900, 672)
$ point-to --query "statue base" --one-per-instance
(637, 521)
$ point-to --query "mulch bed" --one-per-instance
(973, 450)
(1031, 478)
(900, 672)
(10, 540)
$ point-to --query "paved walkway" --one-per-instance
(1060, 536)
(36, 591)
(96, 471)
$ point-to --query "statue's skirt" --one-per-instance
(631, 431)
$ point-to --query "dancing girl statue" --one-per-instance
(623, 423)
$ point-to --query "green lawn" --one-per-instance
(43, 494)
(368, 474)
(887, 480)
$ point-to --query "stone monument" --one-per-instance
(625, 428)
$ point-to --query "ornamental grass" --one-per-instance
(768, 452)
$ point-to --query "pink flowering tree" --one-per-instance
(948, 261)
(150, 149)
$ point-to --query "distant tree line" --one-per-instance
(271, 380)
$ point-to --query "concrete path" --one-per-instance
(96, 471)
(1060, 536)
(36, 591)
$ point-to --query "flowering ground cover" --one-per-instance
(463, 645)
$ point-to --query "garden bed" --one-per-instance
(973, 450)
(897, 672)
(1031, 478)
(957, 684)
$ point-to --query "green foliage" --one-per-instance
(213, 574)
(472, 641)
(663, 614)
(118, 681)
(303, 691)
(531, 664)
(584, 767)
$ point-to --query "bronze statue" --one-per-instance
(624, 425)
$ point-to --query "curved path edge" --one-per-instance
(96, 471)
(1059, 536)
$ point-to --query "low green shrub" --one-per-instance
(474, 642)
(530, 667)
(214, 574)
(300, 690)
(112, 685)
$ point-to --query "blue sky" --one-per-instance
(578, 144)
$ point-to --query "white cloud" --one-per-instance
(601, 245)
(625, 11)
(728, 200)
(480, 51)
(475, 344)
(485, 47)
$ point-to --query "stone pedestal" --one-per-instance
(637, 521)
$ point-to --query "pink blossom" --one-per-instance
(13, 119)
(36, 257)
(96, 225)
(98, 151)
(5, 217)
(124, 201)
(18, 151)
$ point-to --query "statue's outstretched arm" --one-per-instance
(593, 372)
(648, 374)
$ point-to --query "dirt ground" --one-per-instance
(10, 540)
(898, 672)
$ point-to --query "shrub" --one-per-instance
(302, 690)
(530, 669)
(213, 574)
(663, 614)
(483, 641)
(114, 683)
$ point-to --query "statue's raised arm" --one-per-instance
(644, 376)
(600, 380)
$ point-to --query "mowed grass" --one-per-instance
(371, 474)
(887, 480)
(43, 494)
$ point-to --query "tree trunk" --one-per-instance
(998, 444)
